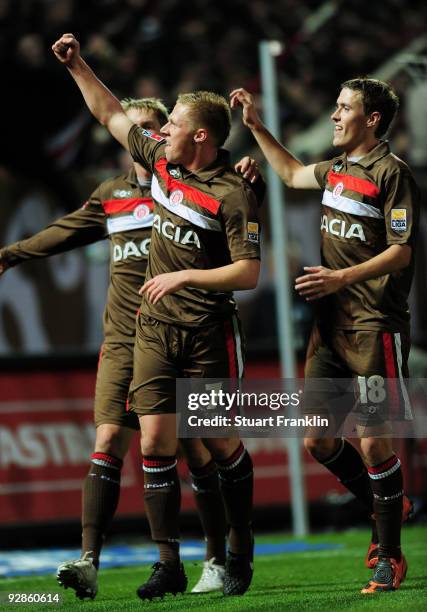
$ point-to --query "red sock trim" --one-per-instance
(108, 458)
(383, 467)
(152, 461)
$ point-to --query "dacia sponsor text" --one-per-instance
(178, 234)
(131, 249)
(340, 227)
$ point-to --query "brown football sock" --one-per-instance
(348, 466)
(101, 491)
(162, 500)
(236, 484)
(387, 487)
(211, 509)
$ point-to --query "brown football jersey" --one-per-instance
(121, 210)
(201, 220)
(367, 205)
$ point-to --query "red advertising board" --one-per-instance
(47, 436)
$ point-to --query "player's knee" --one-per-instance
(221, 448)
(195, 452)
(320, 448)
(111, 440)
(156, 444)
(376, 450)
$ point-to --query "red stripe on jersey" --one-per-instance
(390, 368)
(354, 184)
(125, 205)
(383, 467)
(230, 344)
(190, 193)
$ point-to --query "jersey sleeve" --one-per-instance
(145, 147)
(241, 223)
(401, 208)
(76, 229)
(259, 188)
(321, 172)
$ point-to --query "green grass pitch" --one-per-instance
(320, 580)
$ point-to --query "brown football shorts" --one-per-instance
(374, 362)
(165, 352)
(113, 378)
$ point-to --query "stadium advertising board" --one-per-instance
(47, 436)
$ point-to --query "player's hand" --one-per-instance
(248, 168)
(240, 97)
(318, 282)
(163, 284)
(67, 49)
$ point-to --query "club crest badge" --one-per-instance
(338, 189)
(141, 211)
(176, 197)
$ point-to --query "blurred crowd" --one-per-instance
(161, 48)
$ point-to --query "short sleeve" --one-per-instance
(401, 208)
(145, 147)
(321, 172)
(242, 227)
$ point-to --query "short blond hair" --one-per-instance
(149, 104)
(209, 110)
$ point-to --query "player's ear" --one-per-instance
(200, 136)
(374, 119)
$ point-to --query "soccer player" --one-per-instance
(205, 244)
(370, 209)
(121, 209)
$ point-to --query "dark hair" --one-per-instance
(376, 96)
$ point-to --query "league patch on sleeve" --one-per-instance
(152, 135)
(398, 219)
(253, 232)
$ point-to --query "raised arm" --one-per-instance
(103, 105)
(289, 168)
